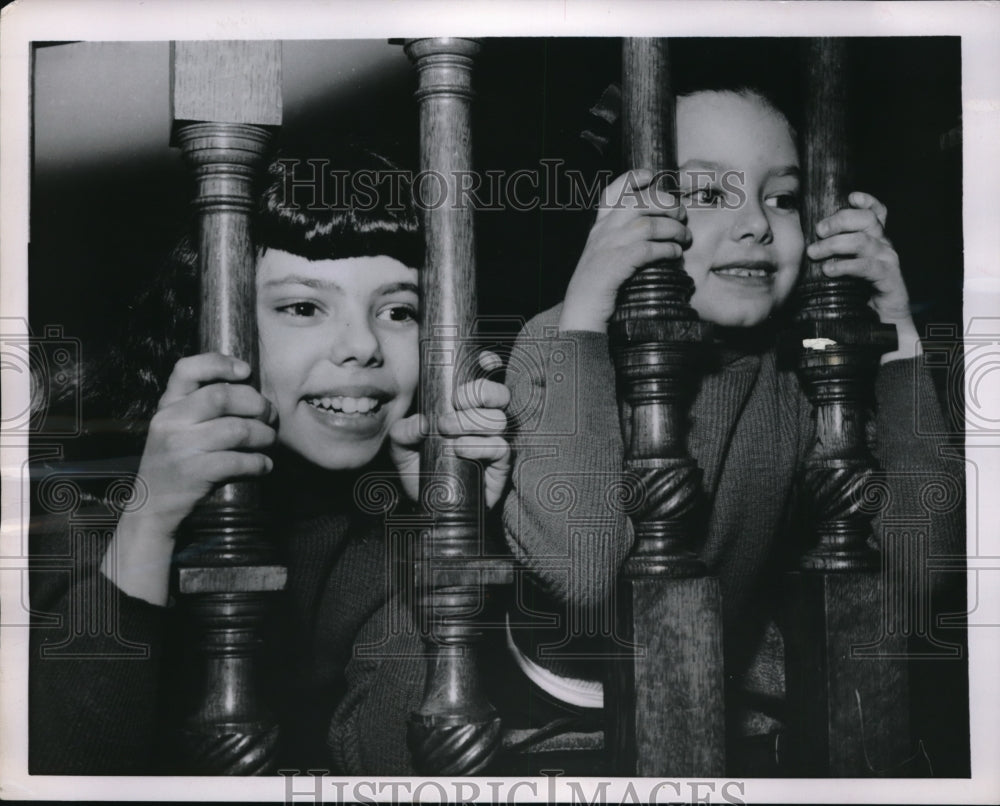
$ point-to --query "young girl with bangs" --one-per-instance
(338, 309)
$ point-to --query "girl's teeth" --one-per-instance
(743, 272)
(347, 405)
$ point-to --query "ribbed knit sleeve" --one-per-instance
(921, 479)
(385, 684)
(561, 512)
(95, 663)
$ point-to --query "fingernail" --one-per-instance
(268, 464)
(241, 367)
(821, 228)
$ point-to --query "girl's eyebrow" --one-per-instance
(704, 165)
(788, 170)
(707, 165)
(329, 285)
(392, 288)
(300, 279)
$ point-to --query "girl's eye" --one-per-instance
(397, 312)
(704, 197)
(783, 201)
(300, 309)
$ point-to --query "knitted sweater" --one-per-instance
(750, 428)
(101, 705)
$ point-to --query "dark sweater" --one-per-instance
(750, 430)
(106, 709)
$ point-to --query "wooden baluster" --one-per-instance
(226, 99)
(456, 730)
(848, 713)
(665, 708)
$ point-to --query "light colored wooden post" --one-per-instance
(456, 730)
(226, 100)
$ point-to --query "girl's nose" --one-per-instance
(752, 222)
(354, 342)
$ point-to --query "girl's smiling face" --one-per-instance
(744, 257)
(339, 354)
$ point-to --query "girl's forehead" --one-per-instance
(733, 129)
(276, 267)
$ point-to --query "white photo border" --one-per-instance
(978, 25)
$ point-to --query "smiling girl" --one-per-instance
(750, 425)
(338, 319)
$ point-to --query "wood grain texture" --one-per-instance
(665, 708)
(848, 716)
(838, 379)
(226, 82)
(227, 574)
(850, 708)
(455, 730)
(675, 727)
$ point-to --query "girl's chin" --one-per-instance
(738, 317)
(345, 455)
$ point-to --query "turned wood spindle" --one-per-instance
(840, 336)
(226, 99)
(848, 710)
(456, 730)
(665, 710)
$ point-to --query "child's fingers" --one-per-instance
(409, 432)
(645, 253)
(846, 244)
(222, 400)
(661, 228)
(647, 202)
(622, 192)
(486, 449)
(851, 220)
(481, 394)
(489, 361)
(878, 272)
(221, 466)
(866, 201)
(195, 371)
(229, 433)
(473, 421)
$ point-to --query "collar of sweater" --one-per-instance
(729, 344)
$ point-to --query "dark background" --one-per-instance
(103, 217)
(99, 226)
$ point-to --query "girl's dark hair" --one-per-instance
(324, 210)
(768, 68)
(353, 204)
